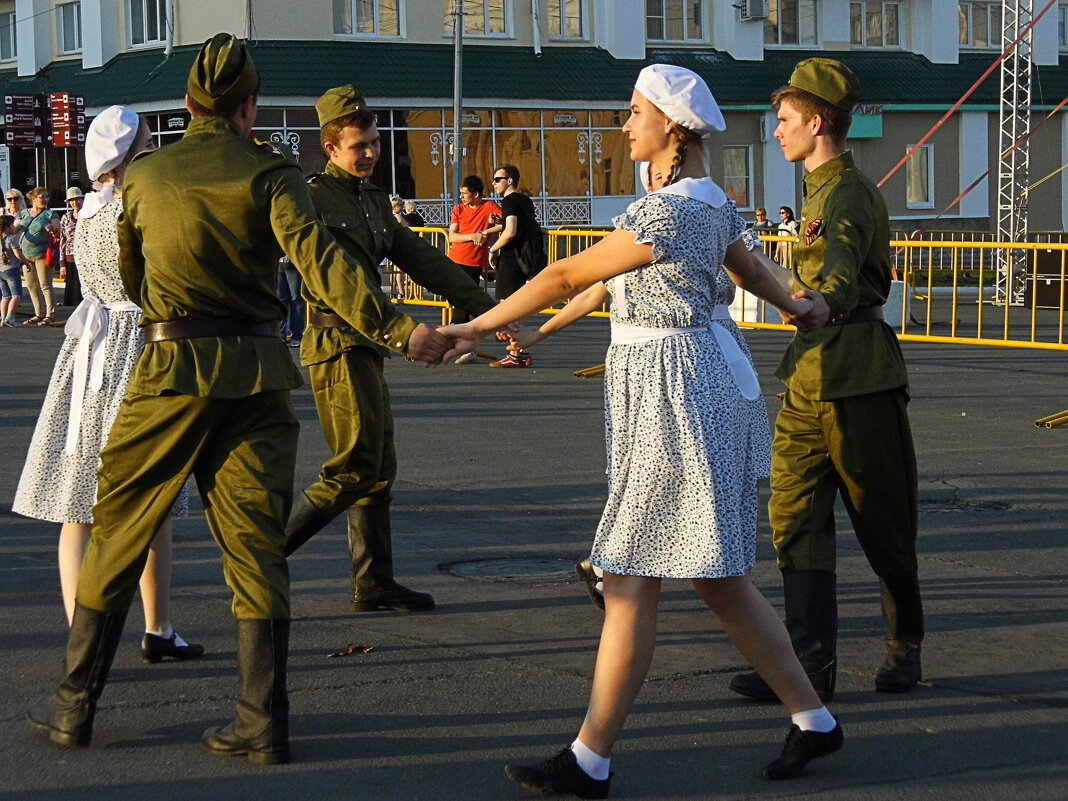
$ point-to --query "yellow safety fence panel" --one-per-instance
(952, 287)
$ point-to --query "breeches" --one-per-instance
(242, 454)
(861, 447)
(352, 399)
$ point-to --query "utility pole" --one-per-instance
(457, 98)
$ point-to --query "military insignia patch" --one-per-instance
(813, 230)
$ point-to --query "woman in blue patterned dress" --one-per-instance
(687, 429)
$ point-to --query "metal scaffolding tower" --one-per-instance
(1012, 147)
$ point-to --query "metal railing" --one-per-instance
(945, 290)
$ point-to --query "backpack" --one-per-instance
(531, 253)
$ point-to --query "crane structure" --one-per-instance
(1014, 130)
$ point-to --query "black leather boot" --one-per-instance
(812, 621)
(261, 726)
(67, 715)
(903, 612)
(305, 521)
(371, 548)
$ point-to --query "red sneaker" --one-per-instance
(511, 360)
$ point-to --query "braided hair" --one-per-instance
(684, 137)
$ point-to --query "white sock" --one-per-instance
(592, 763)
(599, 586)
(819, 720)
(164, 633)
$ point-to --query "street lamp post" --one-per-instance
(457, 95)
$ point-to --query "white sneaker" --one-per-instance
(465, 358)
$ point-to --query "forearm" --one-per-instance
(547, 287)
(578, 307)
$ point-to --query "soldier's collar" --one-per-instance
(335, 171)
(826, 171)
(211, 125)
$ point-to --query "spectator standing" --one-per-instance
(473, 223)
(762, 221)
(290, 285)
(35, 223)
(68, 267)
(787, 227)
(412, 217)
(10, 273)
(520, 223)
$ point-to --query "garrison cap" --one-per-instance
(339, 102)
(223, 74)
(828, 80)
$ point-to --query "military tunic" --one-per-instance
(843, 425)
(346, 368)
(199, 238)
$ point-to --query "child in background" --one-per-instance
(10, 273)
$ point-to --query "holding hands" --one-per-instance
(809, 311)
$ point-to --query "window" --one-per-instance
(674, 20)
(8, 45)
(481, 17)
(148, 21)
(368, 17)
(566, 19)
(875, 24)
(736, 174)
(1062, 26)
(69, 23)
(919, 178)
(980, 24)
(790, 22)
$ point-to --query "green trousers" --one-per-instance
(352, 400)
(242, 454)
(862, 448)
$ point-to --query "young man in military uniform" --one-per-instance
(350, 389)
(210, 393)
(843, 426)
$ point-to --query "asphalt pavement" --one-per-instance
(500, 487)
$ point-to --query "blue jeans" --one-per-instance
(10, 283)
(289, 286)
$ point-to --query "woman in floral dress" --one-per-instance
(89, 380)
(687, 429)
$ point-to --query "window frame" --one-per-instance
(61, 26)
(899, 8)
(376, 12)
(775, 13)
(1062, 26)
(747, 152)
(561, 33)
(161, 23)
(992, 11)
(487, 10)
(13, 43)
(910, 166)
(687, 22)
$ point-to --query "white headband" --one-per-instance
(109, 139)
(683, 96)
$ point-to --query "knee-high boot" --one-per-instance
(261, 726)
(371, 548)
(67, 715)
(812, 620)
(305, 521)
(903, 613)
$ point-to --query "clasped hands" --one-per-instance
(434, 346)
(810, 311)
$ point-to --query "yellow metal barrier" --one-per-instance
(950, 290)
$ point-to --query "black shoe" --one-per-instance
(800, 749)
(558, 774)
(155, 649)
(901, 671)
(223, 741)
(396, 598)
(752, 686)
(585, 571)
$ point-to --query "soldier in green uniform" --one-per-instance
(350, 389)
(843, 427)
(209, 396)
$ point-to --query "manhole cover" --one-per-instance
(532, 570)
(936, 506)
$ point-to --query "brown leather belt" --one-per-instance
(862, 314)
(191, 328)
(327, 320)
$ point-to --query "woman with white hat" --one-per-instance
(687, 429)
(103, 343)
(68, 268)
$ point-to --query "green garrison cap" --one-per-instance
(828, 79)
(223, 74)
(338, 102)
